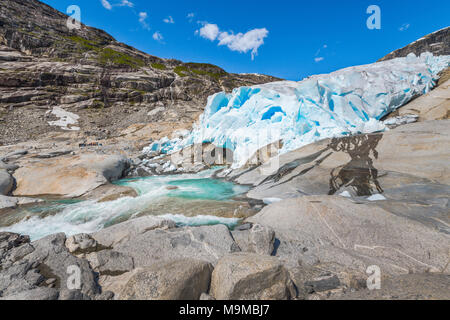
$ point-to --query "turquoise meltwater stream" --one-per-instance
(188, 199)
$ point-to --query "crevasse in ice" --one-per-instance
(348, 101)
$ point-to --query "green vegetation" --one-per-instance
(158, 66)
(181, 71)
(85, 44)
(97, 104)
(109, 56)
(201, 69)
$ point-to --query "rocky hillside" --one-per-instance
(105, 85)
(437, 43)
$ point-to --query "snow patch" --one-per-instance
(271, 200)
(376, 197)
(66, 121)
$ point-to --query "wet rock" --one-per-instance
(248, 276)
(183, 279)
(12, 202)
(6, 182)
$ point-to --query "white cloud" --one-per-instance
(241, 42)
(318, 59)
(244, 42)
(106, 4)
(143, 20)
(126, 3)
(169, 19)
(404, 27)
(209, 31)
(190, 16)
(158, 36)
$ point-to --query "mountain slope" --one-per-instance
(107, 84)
(437, 43)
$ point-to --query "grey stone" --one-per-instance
(20, 252)
(427, 286)
(249, 276)
(259, 239)
(183, 279)
(81, 243)
(109, 262)
(125, 231)
(207, 243)
(333, 229)
(206, 297)
(55, 260)
(40, 293)
(107, 295)
(323, 283)
(6, 182)
(8, 166)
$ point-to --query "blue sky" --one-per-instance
(290, 39)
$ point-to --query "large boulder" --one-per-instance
(207, 243)
(351, 235)
(6, 182)
(126, 231)
(70, 176)
(258, 239)
(249, 276)
(182, 279)
(55, 262)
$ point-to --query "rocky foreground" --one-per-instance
(336, 207)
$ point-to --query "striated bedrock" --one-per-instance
(43, 65)
(339, 232)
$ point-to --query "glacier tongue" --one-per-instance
(348, 101)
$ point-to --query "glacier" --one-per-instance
(345, 102)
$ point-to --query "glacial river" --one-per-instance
(188, 199)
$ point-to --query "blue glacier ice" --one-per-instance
(348, 101)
